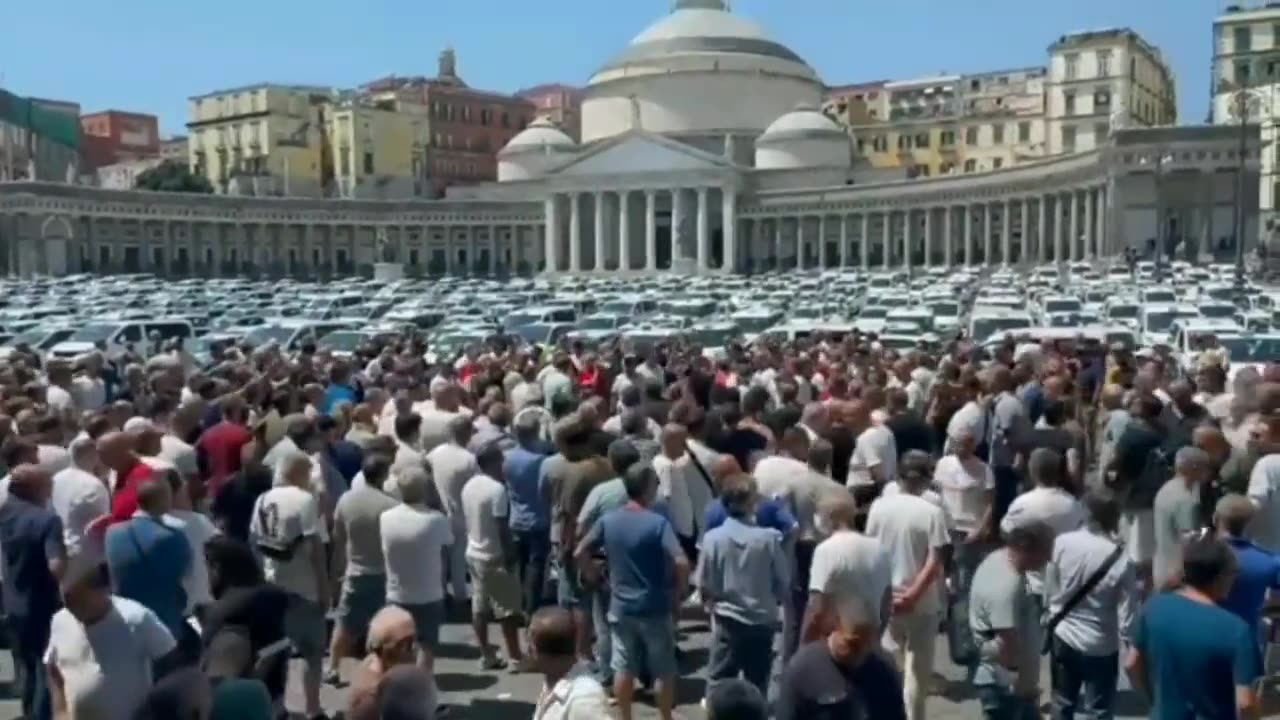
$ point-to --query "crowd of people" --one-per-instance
(173, 536)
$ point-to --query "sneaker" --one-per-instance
(333, 677)
(525, 665)
(492, 662)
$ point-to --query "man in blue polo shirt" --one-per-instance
(1259, 570)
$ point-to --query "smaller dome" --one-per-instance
(541, 134)
(806, 121)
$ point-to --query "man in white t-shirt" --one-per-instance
(79, 497)
(875, 455)
(1046, 503)
(102, 649)
(413, 539)
(289, 531)
(1264, 490)
(491, 555)
(914, 533)
(452, 467)
(847, 563)
(675, 474)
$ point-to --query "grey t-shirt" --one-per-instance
(358, 511)
(999, 601)
(1009, 429)
(1175, 514)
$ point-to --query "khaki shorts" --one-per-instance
(494, 590)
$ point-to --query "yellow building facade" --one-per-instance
(377, 152)
(261, 140)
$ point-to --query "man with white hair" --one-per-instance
(1176, 512)
(438, 416)
(875, 454)
(79, 496)
(452, 466)
(414, 537)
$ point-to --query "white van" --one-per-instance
(146, 337)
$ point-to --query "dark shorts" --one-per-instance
(362, 597)
(427, 619)
(304, 625)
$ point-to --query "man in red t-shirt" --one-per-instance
(219, 449)
(115, 449)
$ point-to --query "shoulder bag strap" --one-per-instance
(706, 477)
(1082, 592)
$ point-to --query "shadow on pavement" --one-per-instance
(458, 651)
(464, 682)
(496, 710)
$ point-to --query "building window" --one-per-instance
(971, 136)
(997, 163)
(947, 138)
(1068, 139)
(1100, 133)
(904, 142)
(997, 134)
(1024, 132)
(1072, 66)
(862, 146)
(506, 120)
(1068, 103)
(368, 163)
(970, 165)
(880, 143)
(1243, 39)
(1104, 63)
(922, 140)
(1242, 73)
(466, 113)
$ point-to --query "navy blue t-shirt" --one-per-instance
(1259, 572)
(29, 536)
(1196, 656)
(639, 545)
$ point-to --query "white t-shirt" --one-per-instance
(1052, 506)
(850, 564)
(289, 513)
(199, 531)
(78, 498)
(59, 400)
(795, 483)
(1264, 490)
(452, 467)
(971, 417)
(485, 506)
(106, 667)
(179, 454)
(875, 447)
(89, 393)
(673, 489)
(964, 493)
(411, 541)
(909, 527)
(52, 459)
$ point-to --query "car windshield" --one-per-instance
(94, 333)
(618, 307)
(755, 323)
(1064, 320)
(515, 320)
(945, 309)
(1122, 312)
(874, 312)
(598, 323)
(1159, 321)
(535, 333)
(1256, 350)
(714, 337)
(1061, 305)
(264, 334)
(987, 326)
(458, 339)
(1218, 311)
(1161, 296)
(31, 337)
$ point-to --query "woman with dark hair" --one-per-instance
(242, 599)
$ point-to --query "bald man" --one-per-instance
(118, 453)
(34, 556)
(392, 643)
(676, 476)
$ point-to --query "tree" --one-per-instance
(170, 176)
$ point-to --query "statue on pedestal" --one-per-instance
(387, 250)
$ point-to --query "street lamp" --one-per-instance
(1245, 103)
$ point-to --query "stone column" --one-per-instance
(1101, 220)
(1025, 247)
(777, 242)
(599, 230)
(988, 249)
(575, 232)
(624, 230)
(1060, 231)
(908, 224)
(729, 233)
(844, 241)
(948, 248)
(651, 231)
(450, 259)
(888, 239)
(1074, 226)
(1007, 232)
(822, 242)
(968, 235)
(864, 241)
(1042, 240)
(677, 219)
(1087, 250)
(551, 240)
(928, 237)
(703, 234)
(493, 249)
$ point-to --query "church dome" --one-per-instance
(806, 121)
(541, 134)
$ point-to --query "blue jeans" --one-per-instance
(1084, 682)
(533, 551)
(740, 648)
(600, 598)
(999, 703)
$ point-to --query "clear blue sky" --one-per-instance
(151, 55)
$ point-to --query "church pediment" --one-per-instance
(639, 153)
